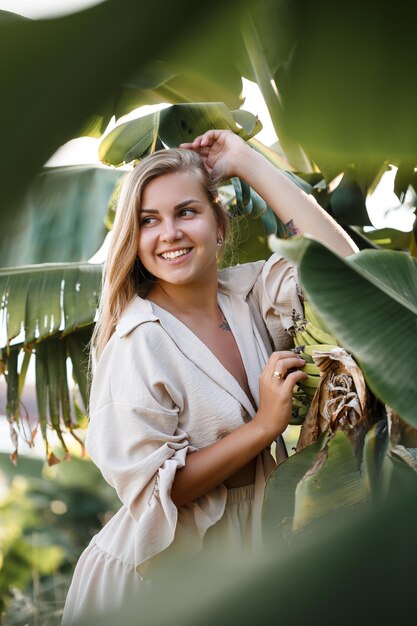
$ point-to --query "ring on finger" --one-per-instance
(278, 375)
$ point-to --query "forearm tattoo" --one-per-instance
(292, 228)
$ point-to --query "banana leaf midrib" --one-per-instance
(30, 269)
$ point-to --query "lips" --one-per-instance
(172, 255)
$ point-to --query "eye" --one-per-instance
(187, 212)
(146, 221)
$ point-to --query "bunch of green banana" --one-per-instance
(310, 335)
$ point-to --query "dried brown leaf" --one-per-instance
(341, 399)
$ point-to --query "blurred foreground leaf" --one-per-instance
(56, 76)
(304, 584)
(349, 92)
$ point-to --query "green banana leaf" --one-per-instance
(210, 65)
(375, 466)
(192, 71)
(369, 302)
(50, 309)
(44, 300)
(357, 112)
(275, 31)
(390, 238)
(334, 483)
(322, 478)
(66, 84)
(8, 16)
(61, 218)
(348, 201)
(404, 177)
(56, 410)
(345, 203)
(279, 500)
(174, 125)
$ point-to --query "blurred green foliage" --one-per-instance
(339, 85)
(352, 566)
(48, 515)
(348, 86)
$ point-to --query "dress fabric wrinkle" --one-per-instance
(159, 394)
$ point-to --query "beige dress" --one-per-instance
(158, 394)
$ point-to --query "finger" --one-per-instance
(203, 151)
(283, 365)
(282, 371)
(276, 360)
(195, 143)
(282, 354)
(210, 137)
(293, 378)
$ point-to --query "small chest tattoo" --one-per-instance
(225, 326)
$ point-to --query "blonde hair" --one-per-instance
(123, 275)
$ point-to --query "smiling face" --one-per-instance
(178, 231)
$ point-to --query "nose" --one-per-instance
(170, 231)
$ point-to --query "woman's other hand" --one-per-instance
(276, 385)
(216, 463)
(222, 152)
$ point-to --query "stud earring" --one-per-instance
(220, 241)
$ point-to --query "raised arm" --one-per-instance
(225, 155)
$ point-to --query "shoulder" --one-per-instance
(138, 312)
(138, 340)
(240, 279)
(244, 278)
(130, 369)
(139, 323)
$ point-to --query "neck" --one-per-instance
(187, 300)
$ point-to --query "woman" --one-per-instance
(187, 397)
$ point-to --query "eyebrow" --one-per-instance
(176, 207)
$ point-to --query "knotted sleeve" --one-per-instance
(279, 296)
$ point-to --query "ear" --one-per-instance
(220, 239)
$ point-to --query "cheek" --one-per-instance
(144, 243)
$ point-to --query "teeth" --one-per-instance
(174, 255)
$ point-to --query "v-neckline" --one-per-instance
(213, 356)
(233, 330)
